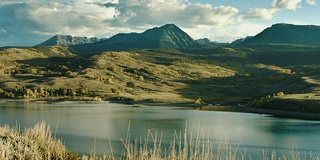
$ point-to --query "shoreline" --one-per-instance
(285, 114)
(192, 106)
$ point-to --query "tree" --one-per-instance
(1, 91)
(8, 94)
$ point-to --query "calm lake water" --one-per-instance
(83, 127)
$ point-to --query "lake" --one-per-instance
(87, 127)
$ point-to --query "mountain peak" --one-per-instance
(166, 36)
(169, 26)
(166, 27)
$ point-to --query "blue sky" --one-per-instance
(29, 22)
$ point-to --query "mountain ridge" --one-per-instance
(282, 33)
(170, 36)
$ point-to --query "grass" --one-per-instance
(38, 143)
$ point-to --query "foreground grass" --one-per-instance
(38, 143)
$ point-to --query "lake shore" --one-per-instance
(269, 112)
(191, 106)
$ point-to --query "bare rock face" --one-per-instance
(67, 40)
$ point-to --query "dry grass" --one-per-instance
(31, 143)
(38, 143)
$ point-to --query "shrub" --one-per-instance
(8, 94)
(199, 101)
(280, 94)
(115, 91)
(131, 85)
(70, 74)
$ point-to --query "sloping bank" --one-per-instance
(291, 108)
(276, 112)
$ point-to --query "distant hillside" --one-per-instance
(207, 42)
(13, 54)
(287, 34)
(167, 36)
(67, 40)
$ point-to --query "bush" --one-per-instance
(115, 91)
(280, 94)
(131, 85)
(8, 94)
(1, 91)
(70, 74)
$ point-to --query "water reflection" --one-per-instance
(84, 127)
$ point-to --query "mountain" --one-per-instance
(207, 42)
(287, 34)
(167, 36)
(67, 40)
(239, 41)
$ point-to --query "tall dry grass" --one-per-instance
(183, 146)
(31, 143)
(38, 143)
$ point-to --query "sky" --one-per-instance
(30, 22)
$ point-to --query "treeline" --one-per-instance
(24, 92)
(47, 73)
(263, 101)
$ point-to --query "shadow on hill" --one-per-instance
(287, 55)
(86, 50)
(32, 79)
(162, 56)
(53, 63)
(242, 89)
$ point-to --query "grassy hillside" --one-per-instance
(213, 74)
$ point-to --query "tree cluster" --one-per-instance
(23, 92)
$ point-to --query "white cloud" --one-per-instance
(276, 6)
(38, 19)
(260, 13)
(286, 4)
(227, 33)
(45, 18)
(158, 12)
(311, 2)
